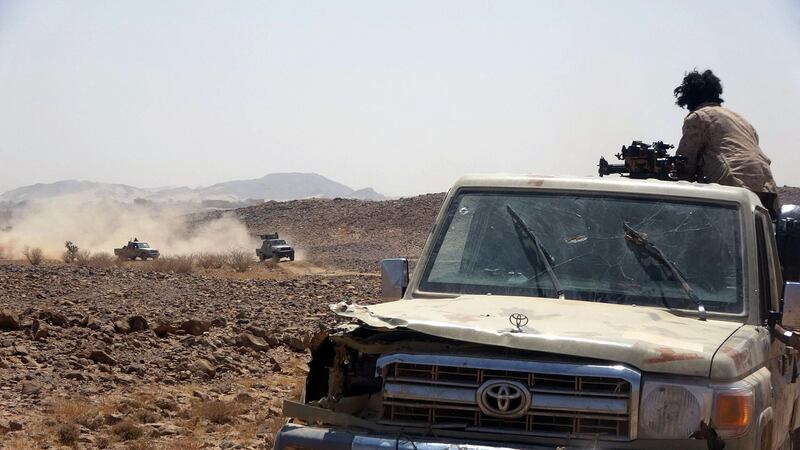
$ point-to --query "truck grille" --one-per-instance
(564, 400)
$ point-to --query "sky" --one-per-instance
(402, 96)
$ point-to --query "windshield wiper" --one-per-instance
(640, 241)
(526, 237)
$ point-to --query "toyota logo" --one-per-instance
(504, 399)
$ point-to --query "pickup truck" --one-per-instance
(272, 247)
(136, 249)
(568, 313)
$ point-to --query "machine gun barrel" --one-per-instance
(644, 161)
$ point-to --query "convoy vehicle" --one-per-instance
(136, 249)
(568, 313)
(274, 248)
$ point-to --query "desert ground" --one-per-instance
(136, 356)
(133, 355)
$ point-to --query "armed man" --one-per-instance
(720, 145)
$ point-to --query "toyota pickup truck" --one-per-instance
(136, 249)
(272, 247)
(568, 313)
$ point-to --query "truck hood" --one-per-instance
(651, 339)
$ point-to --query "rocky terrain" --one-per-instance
(122, 358)
(343, 233)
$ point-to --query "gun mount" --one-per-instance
(642, 161)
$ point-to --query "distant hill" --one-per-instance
(276, 186)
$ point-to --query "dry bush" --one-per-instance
(34, 255)
(184, 443)
(274, 424)
(78, 411)
(210, 260)
(101, 260)
(240, 260)
(126, 430)
(218, 411)
(82, 257)
(176, 264)
(70, 253)
(68, 433)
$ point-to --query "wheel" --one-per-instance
(291, 257)
(262, 258)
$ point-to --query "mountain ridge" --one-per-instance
(274, 186)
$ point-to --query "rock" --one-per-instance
(121, 327)
(295, 343)
(137, 323)
(195, 327)
(218, 322)
(164, 329)
(8, 321)
(90, 323)
(205, 367)
(54, 318)
(138, 369)
(39, 330)
(102, 357)
(77, 376)
(31, 387)
(15, 425)
(250, 341)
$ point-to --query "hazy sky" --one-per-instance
(403, 96)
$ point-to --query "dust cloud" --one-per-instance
(102, 225)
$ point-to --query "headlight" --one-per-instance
(671, 411)
(674, 410)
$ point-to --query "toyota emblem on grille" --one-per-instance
(519, 320)
(503, 399)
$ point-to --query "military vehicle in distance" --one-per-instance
(570, 313)
(274, 248)
(136, 249)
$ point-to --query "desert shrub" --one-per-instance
(70, 253)
(126, 430)
(210, 260)
(240, 260)
(34, 255)
(101, 260)
(176, 264)
(218, 411)
(82, 257)
(68, 433)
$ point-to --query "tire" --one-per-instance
(261, 258)
(291, 257)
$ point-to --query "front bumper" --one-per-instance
(299, 437)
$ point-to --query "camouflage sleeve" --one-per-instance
(692, 143)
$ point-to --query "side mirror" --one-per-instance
(791, 306)
(394, 278)
(787, 237)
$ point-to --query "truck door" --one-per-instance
(782, 360)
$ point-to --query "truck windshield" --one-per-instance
(480, 251)
(277, 242)
(144, 245)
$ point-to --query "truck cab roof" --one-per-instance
(681, 189)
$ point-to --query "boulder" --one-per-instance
(102, 357)
(250, 341)
(164, 329)
(137, 323)
(195, 327)
(8, 321)
(205, 367)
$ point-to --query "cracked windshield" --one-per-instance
(643, 251)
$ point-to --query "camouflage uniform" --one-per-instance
(723, 148)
